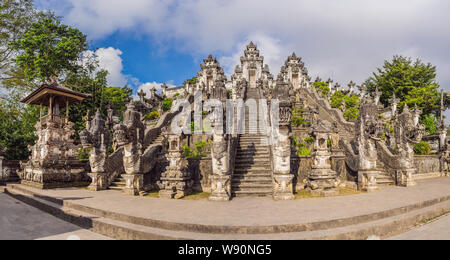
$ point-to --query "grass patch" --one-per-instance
(304, 194)
(198, 196)
(152, 194)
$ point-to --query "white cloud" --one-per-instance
(110, 60)
(345, 40)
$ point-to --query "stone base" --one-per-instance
(134, 184)
(54, 185)
(283, 188)
(219, 197)
(98, 182)
(53, 177)
(220, 187)
(167, 194)
(407, 179)
(367, 180)
(285, 196)
(325, 193)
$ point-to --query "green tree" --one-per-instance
(17, 128)
(413, 82)
(49, 49)
(15, 17)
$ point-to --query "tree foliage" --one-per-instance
(322, 88)
(15, 18)
(49, 49)
(45, 48)
(349, 103)
(413, 82)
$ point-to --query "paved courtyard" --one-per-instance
(435, 230)
(19, 221)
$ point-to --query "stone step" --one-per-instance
(253, 156)
(253, 171)
(116, 188)
(255, 174)
(255, 193)
(252, 161)
(124, 227)
(249, 163)
(240, 182)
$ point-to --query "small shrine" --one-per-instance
(54, 161)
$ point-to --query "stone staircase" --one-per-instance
(383, 177)
(253, 170)
(118, 184)
(159, 139)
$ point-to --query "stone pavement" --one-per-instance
(435, 230)
(19, 221)
(251, 211)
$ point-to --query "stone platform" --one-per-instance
(385, 213)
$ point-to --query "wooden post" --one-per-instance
(50, 112)
(67, 110)
(40, 113)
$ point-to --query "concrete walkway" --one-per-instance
(256, 211)
(19, 221)
(436, 230)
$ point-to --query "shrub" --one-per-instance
(422, 148)
(167, 104)
(152, 115)
(298, 121)
(303, 148)
(351, 114)
(83, 154)
(430, 122)
(200, 150)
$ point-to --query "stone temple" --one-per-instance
(262, 155)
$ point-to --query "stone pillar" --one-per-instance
(283, 186)
(134, 184)
(220, 179)
(282, 177)
(322, 180)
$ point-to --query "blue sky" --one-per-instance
(144, 43)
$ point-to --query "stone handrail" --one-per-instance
(351, 158)
(164, 120)
(389, 160)
(349, 127)
(114, 166)
(149, 158)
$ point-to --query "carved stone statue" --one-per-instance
(96, 137)
(407, 134)
(130, 135)
(368, 131)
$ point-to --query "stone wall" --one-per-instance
(201, 170)
(427, 167)
(8, 171)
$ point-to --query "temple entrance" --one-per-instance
(252, 76)
(295, 80)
